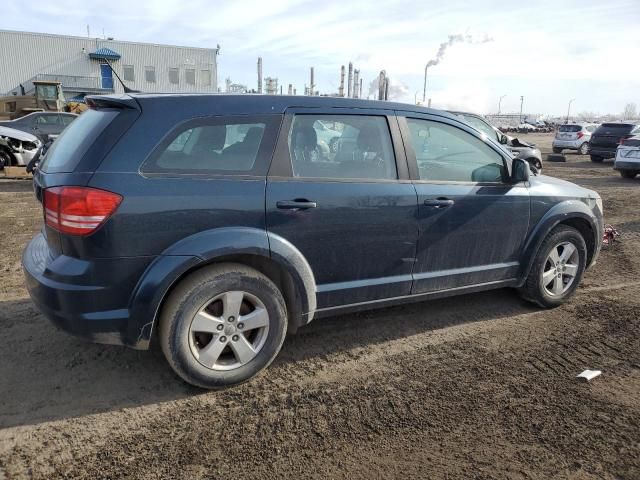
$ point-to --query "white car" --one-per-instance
(573, 136)
(17, 147)
(627, 160)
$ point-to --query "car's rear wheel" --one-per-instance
(5, 158)
(584, 149)
(557, 268)
(222, 325)
(596, 159)
(557, 150)
(628, 173)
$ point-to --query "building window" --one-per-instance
(190, 76)
(174, 75)
(10, 107)
(150, 74)
(128, 74)
(206, 77)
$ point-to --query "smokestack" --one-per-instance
(290, 91)
(356, 82)
(341, 91)
(280, 89)
(295, 91)
(312, 85)
(259, 74)
(381, 81)
(350, 81)
(386, 88)
(360, 94)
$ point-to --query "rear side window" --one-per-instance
(570, 128)
(74, 141)
(446, 153)
(217, 145)
(341, 147)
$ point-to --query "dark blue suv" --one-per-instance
(220, 223)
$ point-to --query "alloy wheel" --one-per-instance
(560, 269)
(229, 330)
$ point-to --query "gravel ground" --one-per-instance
(480, 386)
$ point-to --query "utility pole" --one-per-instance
(521, 102)
(569, 109)
(500, 102)
(424, 89)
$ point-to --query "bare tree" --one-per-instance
(630, 111)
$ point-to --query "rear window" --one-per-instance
(216, 146)
(570, 128)
(66, 152)
(614, 129)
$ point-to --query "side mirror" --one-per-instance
(503, 139)
(519, 170)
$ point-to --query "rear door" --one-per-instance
(345, 202)
(472, 223)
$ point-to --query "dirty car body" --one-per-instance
(395, 219)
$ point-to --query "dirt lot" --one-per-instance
(480, 386)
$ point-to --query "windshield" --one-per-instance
(570, 128)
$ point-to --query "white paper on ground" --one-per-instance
(588, 375)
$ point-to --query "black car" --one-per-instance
(44, 125)
(605, 140)
(217, 224)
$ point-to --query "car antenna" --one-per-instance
(126, 89)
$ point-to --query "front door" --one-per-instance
(472, 221)
(107, 76)
(338, 190)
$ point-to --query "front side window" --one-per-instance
(174, 75)
(341, 147)
(447, 153)
(213, 146)
(150, 74)
(481, 125)
(190, 76)
(47, 120)
(128, 73)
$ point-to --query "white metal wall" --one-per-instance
(24, 55)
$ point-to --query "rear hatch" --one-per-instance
(569, 132)
(78, 151)
(609, 135)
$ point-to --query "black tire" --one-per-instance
(584, 149)
(628, 173)
(596, 159)
(189, 297)
(5, 159)
(533, 289)
(557, 150)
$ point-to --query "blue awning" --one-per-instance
(104, 53)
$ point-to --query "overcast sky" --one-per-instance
(546, 51)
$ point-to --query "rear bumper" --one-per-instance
(87, 298)
(626, 165)
(568, 144)
(602, 152)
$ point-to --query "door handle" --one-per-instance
(438, 202)
(295, 204)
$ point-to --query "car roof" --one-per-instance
(260, 104)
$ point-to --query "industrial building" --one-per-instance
(80, 63)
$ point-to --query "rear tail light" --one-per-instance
(78, 210)
(580, 135)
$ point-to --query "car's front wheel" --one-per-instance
(557, 268)
(222, 325)
(596, 159)
(536, 163)
(5, 158)
(557, 150)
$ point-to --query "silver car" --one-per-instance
(628, 157)
(573, 136)
(17, 148)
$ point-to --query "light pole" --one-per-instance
(500, 102)
(424, 89)
(569, 109)
(521, 102)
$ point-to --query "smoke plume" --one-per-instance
(455, 39)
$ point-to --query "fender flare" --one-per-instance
(200, 249)
(561, 212)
